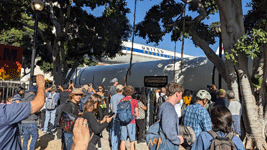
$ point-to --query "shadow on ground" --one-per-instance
(43, 141)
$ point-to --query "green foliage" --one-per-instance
(256, 18)
(78, 32)
(45, 66)
(167, 18)
(256, 81)
(48, 66)
(21, 37)
(249, 44)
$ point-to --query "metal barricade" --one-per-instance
(9, 88)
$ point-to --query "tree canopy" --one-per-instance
(68, 36)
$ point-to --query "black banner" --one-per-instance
(155, 81)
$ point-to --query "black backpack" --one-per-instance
(161, 100)
(222, 143)
(59, 111)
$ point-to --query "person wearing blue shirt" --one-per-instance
(29, 125)
(196, 115)
(50, 114)
(222, 124)
(115, 124)
(11, 114)
(169, 120)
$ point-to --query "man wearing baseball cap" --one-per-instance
(71, 107)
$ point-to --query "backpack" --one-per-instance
(155, 138)
(67, 121)
(188, 134)
(60, 109)
(161, 100)
(124, 112)
(50, 102)
(83, 101)
(222, 143)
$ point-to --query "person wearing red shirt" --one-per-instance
(129, 129)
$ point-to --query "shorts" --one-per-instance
(128, 130)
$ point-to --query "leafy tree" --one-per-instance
(238, 44)
(71, 36)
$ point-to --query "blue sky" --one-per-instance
(143, 6)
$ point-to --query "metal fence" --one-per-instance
(9, 88)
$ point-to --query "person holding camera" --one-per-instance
(95, 126)
(13, 113)
(213, 92)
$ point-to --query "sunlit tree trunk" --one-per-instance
(232, 25)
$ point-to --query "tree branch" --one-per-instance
(211, 55)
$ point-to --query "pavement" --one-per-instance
(48, 142)
(105, 143)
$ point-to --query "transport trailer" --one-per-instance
(196, 74)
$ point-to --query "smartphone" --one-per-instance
(34, 79)
(70, 81)
(111, 114)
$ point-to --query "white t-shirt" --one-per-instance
(157, 96)
(178, 108)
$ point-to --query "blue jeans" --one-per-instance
(49, 114)
(236, 124)
(30, 129)
(129, 130)
(67, 138)
(20, 129)
(115, 134)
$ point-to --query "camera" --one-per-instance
(209, 86)
(34, 79)
(111, 114)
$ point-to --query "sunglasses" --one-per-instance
(100, 88)
(78, 94)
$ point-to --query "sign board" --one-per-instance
(10, 62)
(155, 81)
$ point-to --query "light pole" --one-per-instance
(37, 5)
(218, 30)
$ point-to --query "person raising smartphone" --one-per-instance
(95, 126)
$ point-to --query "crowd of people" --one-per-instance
(94, 111)
(210, 114)
(23, 118)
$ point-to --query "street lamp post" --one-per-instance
(37, 5)
(218, 30)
